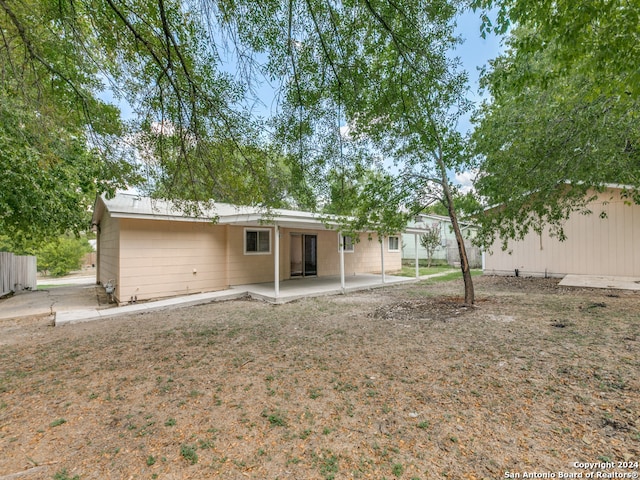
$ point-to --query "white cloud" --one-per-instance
(465, 180)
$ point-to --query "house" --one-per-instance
(149, 249)
(447, 251)
(606, 242)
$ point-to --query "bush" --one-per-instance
(62, 255)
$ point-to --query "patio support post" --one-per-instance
(341, 250)
(382, 257)
(276, 261)
(415, 235)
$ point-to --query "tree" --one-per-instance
(60, 144)
(62, 255)
(382, 69)
(430, 241)
(584, 37)
(542, 147)
(56, 136)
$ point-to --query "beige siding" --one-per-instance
(151, 259)
(366, 257)
(247, 268)
(166, 258)
(109, 256)
(594, 245)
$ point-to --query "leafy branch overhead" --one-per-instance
(543, 147)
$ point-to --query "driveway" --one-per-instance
(63, 294)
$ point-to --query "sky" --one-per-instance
(474, 53)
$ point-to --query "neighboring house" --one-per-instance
(448, 249)
(606, 242)
(149, 249)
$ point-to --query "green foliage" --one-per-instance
(542, 146)
(62, 255)
(591, 37)
(56, 137)
(430, 241)
(189, 453)
(57, 422)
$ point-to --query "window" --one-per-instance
(394, 244)
(347, 244)
(257, 241)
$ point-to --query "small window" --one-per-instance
(347, 244)
(394, 244)
(257, 241)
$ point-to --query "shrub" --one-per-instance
(62, 255)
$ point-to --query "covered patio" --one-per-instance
(289, 291)
(294, 289)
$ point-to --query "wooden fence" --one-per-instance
(17, 272)
(474, 255)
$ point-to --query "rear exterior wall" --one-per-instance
(606, 242)
(151, 259)
(108, 251)
(168, 258)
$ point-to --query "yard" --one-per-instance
(400, 382)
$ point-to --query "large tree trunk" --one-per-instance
(469, 295)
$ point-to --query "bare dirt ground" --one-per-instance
(395, 383)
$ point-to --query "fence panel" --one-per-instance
(6, 264)
(474, 255)
(17, 272)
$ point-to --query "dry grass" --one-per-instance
(394, 383)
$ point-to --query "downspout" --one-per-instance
(382, 257)
(341, 252)
(276, 261)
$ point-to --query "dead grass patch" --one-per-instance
(403, 382)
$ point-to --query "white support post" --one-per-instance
(382, 258)
(417, 262)
(276, 261)
(341, 250)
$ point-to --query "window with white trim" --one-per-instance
(257, 241)
(347, 244)
(394, 244)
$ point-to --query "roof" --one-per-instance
(125, 205)
(419, 224)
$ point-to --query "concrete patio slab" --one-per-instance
(85, 302)
(290, 290)
(601, 281)
(87, 315)
(297, 288)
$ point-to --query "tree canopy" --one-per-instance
(582, 37)
(550, 133)
(382, 72)
(380, 69)
(52, 126)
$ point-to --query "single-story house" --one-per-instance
(605, 242)
(448, 248)
(149, 249)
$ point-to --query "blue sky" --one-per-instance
(474, 53)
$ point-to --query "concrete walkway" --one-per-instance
(86, 301)
(601, 281)
(290, 290)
